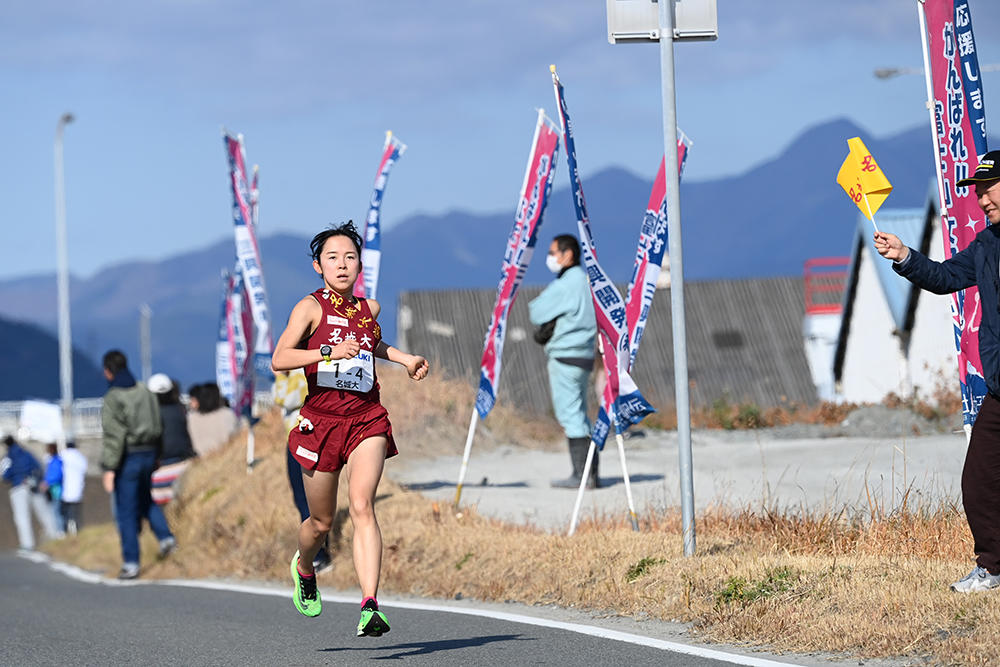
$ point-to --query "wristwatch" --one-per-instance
(326, 351)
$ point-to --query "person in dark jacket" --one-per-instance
(176, 452)
(976, 265)
(130, 419)
(24, 474)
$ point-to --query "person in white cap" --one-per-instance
(176, 451)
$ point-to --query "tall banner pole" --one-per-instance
(586, 474)
(682, 399)
(928, 83)
(465, 456)
(621, 392)
(583, 482)
(535, 189)
(628, 483)
(958, 132)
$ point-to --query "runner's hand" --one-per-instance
(417, 367)
(346, 349)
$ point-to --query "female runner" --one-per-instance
(334, 336)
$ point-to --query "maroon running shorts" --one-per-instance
(323, 441)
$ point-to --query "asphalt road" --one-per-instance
(52, 619)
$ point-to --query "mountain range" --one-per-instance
(761, 223)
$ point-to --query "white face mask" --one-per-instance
(552, 264)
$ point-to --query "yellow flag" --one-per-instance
(862, 179)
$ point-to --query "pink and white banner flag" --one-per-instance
(650, 253)
(248, 255)
(960, 136)
(233, 361)
(648, 261)
(517, 254)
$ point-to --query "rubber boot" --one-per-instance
(593, 481)
(578, 457)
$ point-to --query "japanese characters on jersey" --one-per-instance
(344, 321)
(517, 255)
(371, 250)
(960, 131)
(620, 392)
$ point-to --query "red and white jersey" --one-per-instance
(343, 386)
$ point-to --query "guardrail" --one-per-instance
(85, 414)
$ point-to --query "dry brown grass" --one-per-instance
(431, 417)
(869, 585)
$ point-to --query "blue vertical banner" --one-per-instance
(371, 251)
(620, 392)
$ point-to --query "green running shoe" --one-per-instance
(373, 622)
(306, 595)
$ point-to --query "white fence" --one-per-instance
(85, 416)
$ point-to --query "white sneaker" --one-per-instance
(167, 546)
(129, 571)
(978, 580)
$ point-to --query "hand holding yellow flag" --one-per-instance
(862, 179)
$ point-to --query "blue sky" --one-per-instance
(314, 85)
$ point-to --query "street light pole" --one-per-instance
(62, 257)
(677, 315)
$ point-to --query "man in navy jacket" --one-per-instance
(979, 265)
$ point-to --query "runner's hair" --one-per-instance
(346, 229)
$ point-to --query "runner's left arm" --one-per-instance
(415, 365)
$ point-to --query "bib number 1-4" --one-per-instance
(354, 374)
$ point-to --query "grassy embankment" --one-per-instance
(869, 585)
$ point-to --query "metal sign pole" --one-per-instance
(666, 9)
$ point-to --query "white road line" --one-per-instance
(78, 574)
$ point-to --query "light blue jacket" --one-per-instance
(567, 298)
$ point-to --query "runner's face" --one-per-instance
(988, 195)
(339, 264)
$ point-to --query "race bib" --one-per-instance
(354, 374)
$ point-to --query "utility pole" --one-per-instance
(145, 346)
(62, 281)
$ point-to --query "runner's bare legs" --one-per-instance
(321, 495)
(364, 470)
